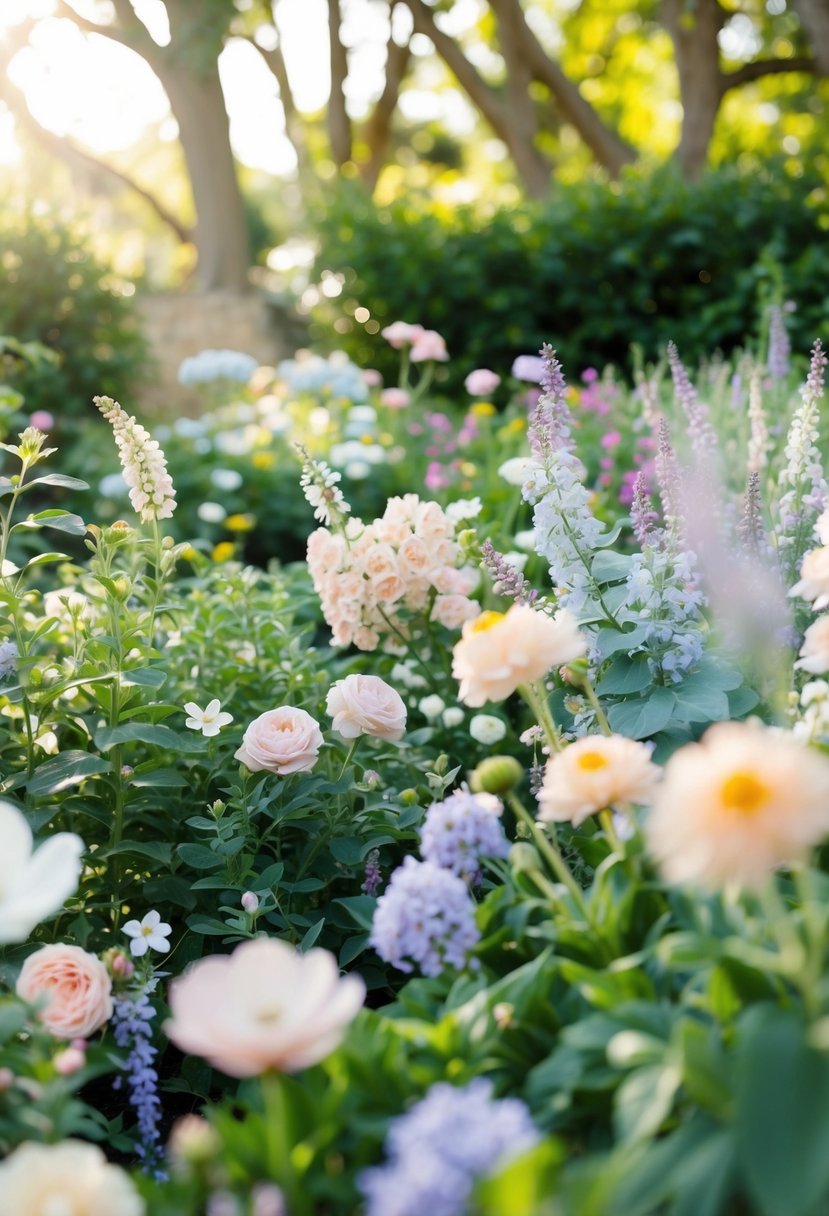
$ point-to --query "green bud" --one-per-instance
(524, 858)
(441, 764)
(217, 808)
(576, 673)
(408, 797)
(496, 775)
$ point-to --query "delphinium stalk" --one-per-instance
(802, 486)
(700, 431)
(566, 531)
(132, 1018)
(779, 345)
(507, 580)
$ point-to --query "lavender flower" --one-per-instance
(702, 435)
(8, 660)
(642, 515)
(442, 1146)
(779, 345)
(132, 1024)
(373, 876)
(461, 830)
(663, 596)
(319, 485)
(507, 580)
(668, 479)
(424, 918)
(751, 529)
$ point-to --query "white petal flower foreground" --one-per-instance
(151, 933)
(70, 1178)
(209, 720)
(35, 884)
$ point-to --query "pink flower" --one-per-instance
(429, 345)
(402, 334)
(452, 610)
(394, 398)
(481, 382)
(595, 773)
(76, 986)
(589, 375)
(366, 705)
(500, 651)
(611, 440)
(282, 741)
(372, 378)
(436, 477)
(529, 368)
(42, 420)
(263, 1006)
(69, 1061)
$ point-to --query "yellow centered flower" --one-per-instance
(224, 551)
(743, 792)
(592, 761)
(485, 621)
(240, 523)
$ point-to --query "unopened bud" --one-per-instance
(69, 1061)
(6, 1079)
(441, 764)
(250, 902)
(371, 778)
(192, 1140)
(524, 858)
(576, 673)
(118, 964)
(217, 808)
(496, 775)
(408, 797)
(503, 1014)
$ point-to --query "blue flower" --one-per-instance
(461, 830)
(425, 918)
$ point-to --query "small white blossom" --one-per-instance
(151, 933)
(453, 716)
(209, 720)
(486, 728)
(431, 707)
(143, 463)
(464, 508)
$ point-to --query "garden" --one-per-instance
(414, 746)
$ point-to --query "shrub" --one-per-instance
(594, 270)
(55, 290)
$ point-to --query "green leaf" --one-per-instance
(58, 479)
(610, 567)
(782, 1115)
(625, 675)
(641, 717)
(62, 521)
(644, 1101)
(137, 732)
(207, 926)
(610, 640)
(146, 677)
(67, 769)
(156, 850)
(700, 703)
(199, 857)
(312, 935)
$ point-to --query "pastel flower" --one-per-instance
(595, 773)
(738, 804)
(813, 584)
(209, 720)
(529, 368)
(395, 398)
(481, 382)
(499, 651)
(516, 470)
(486, 728)
(264, 1006)
(366, 705)
(431, 707)
(401, 334)
(34, 884)
(427, 347)
(71, 1178)
(814, 653)
(151, 933)
(75, 985)
(281, 741)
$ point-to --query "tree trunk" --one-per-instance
(376, 132)
(701, 81)
(814, 17)
(532, 166)
(221, 233)
(339, 124)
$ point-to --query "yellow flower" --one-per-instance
(367, 440)
(189, 553)
(482, 409)
(516, 427)
(224, 551)
(240, 523)
(263, 460)
(468, 469)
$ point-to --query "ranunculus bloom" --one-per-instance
(814, 653)
(736, 805)
(76, 986)
(366, 705)
(594, 773)
(33, 885)
(395, 398)
(71, 1178)
(500, 651)
(401, 333)
(281, 741)
(429, 346)
(263, 1006)
(481, 382)
(814, 578)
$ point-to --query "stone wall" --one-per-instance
(178, 326)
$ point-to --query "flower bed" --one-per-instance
(401, 882)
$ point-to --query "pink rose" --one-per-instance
(481, 382)
(76, 986)
(452, 610)
(366, 705)
(402, 334)
(282, 741)
(394, 398)
(429, 345)
(263, 1006)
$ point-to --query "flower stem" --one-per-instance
(550, 852)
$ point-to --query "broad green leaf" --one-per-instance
(641, 717)
(138, 732)
(625, 675)
(67, 769)
(199, 857)
(610, 567)
(610, 640)
(644, 1100)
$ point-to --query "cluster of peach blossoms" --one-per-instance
(369, 577)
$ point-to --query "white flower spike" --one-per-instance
(151, 933)
(209, 720)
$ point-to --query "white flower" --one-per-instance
(486, 728)
(453, 716)
(209, 720)
(151, 933)
(431, 707)
(464, 508)
(142, 462)
(516, 470)
(33, 884)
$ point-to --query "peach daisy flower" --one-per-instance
(733, 807)
(594, 773)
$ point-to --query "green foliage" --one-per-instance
(54, 290)
(593, 271)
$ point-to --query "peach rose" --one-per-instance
(452, 610)
(814, 653)
(366, 705)
(263, 1006)
(594, 773)
(500, 651)
(76, 986)
(282, 741)
(814, 578)
(71, 1177)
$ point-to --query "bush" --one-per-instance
(594, 270)
(55, 290)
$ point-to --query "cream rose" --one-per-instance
(814, 653)
(263, 1006)
(71, 1177)
(76, 986)
(500, 651)
(814, 578)
(366, 705)
(282, 741)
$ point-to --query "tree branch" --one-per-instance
(376, 131)
(534, 168)
(339, 123)
(127, 30)
(767, 67)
